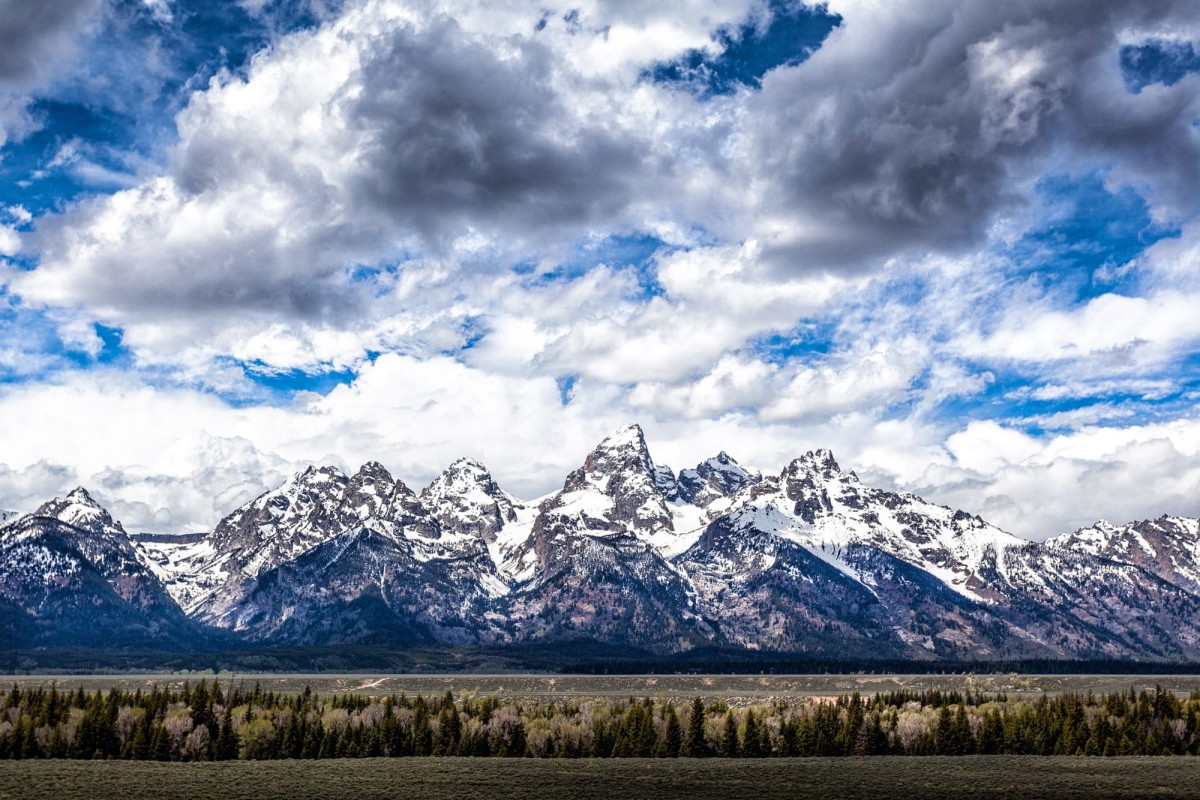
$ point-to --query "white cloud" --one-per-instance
(368, 187)
(1041, 487)
(10, 241)
(1134, 333)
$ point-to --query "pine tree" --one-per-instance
(226, 748)
(754, 737)
(160, 744)
(694, 744)
(730, 747)
(673, 736)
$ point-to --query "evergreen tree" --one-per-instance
(226, 748)
(673, 735)
(694, 744)
(754, 737)
(160, 744)
(730, 747)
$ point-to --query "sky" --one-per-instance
(955, 241)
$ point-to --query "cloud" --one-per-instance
(33, 33)
(34, 38)
(463, 141)
(917, 123)
(426, 201)
(1041, 487)
(377, 143)
(1110, 334)
(460, 137)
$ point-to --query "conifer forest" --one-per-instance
(212, 722)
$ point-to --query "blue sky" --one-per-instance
(955, 242)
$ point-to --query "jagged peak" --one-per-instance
(821, 460)
(723, 462)
(466, 465)
(465, 498)
(373, 469)
(630, 435)
(619, 452)
(81, 510)
(78, 496)
(462, 472)
(315, 474)
(369, 478)
(626, 439)
(311, 478)
(81, 496)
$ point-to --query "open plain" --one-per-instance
(747, 688)
(1022, 777)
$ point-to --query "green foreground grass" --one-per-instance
(1022, 777)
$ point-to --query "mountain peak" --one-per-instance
(466, 465)
(630, 435)
(80, 510)
(313, 475)
(373, 469)
(461, 475)
(719, 476)
(618, 487)
(821, 460)
(81, 496)
(369, 492)
(619, 456)
(466, 499)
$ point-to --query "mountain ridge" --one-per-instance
(630, 553)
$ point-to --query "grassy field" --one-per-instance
(499, 779)
(736, 689)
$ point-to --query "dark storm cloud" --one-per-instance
(911, 135)
(30, 30)
(433, 134)
(459, 138)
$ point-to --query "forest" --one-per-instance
(211, 722)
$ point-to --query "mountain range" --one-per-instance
(628, 553)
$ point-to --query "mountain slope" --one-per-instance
(69, 575)
(1168, 546)
(375, 583)
(211, 577)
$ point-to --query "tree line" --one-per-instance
(210, 722)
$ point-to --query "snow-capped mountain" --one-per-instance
(466, 499)
(210, 578)
(627, 552)
(69, 574)
(1168, 546)
(596, 558)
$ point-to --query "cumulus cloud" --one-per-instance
(1109, 333)
(916, 123)
(33, 33)
(345, 151)
(479, 138)
(33, 38)
(1041, 487)
(419, 195)
(460, 137)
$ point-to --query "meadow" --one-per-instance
(734, 689)
(1024, 777)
